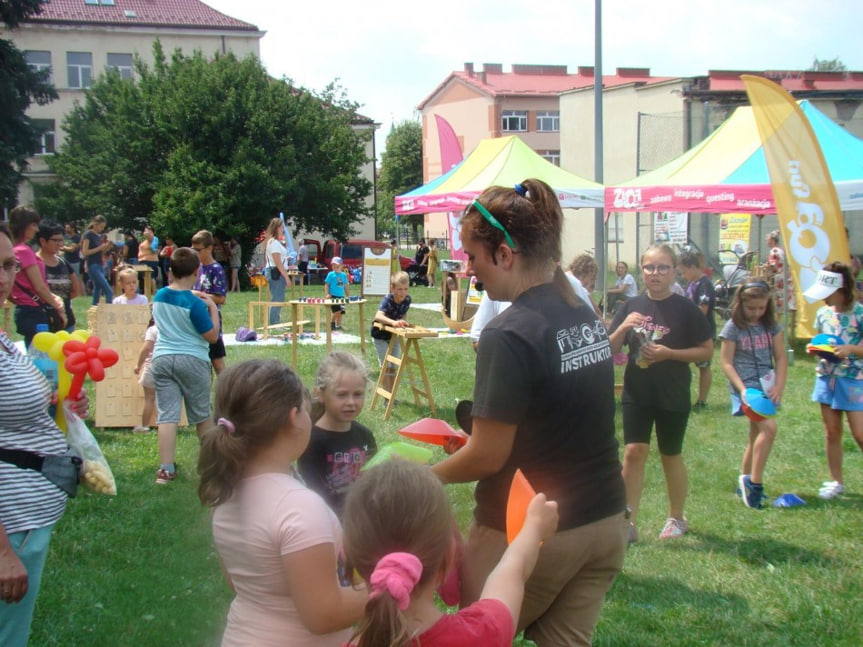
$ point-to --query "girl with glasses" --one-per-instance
(543, 402)
(58, 274)
(664, 332)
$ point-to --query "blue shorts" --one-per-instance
(839, 393)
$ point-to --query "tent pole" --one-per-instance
(598, 219)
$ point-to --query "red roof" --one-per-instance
(791, 80)
(534, 80)
(163, 13)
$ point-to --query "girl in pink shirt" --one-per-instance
(277, 540)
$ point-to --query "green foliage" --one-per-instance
(827, 65)
(401, 171)
(20, 86)
(217, 144)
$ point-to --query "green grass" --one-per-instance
(139, 568)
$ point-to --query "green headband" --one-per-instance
(494, 222)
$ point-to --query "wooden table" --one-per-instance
(297, 306)
(408, 339)
(262, 308)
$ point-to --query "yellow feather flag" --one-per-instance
(810, 219)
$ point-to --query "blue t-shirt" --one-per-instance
(181, 319)
(337, 282)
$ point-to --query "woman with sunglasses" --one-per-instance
(664, 332)
(58, 274)
(544, 404)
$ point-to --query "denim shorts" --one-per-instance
(839, 393)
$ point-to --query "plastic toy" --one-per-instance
(520, 495)
(406, 451)
(434, 431)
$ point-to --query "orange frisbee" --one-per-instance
(434, 431)
(520, 495)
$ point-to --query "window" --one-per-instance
(79, 67)
(39, 61)
(550, 156)
(514, 121)
(46, 128)
(615, 228)
(548, 122)
(122, 63)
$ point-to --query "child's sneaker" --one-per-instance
(752, 495)
(163, 476)
(830, 490)
(674, 528)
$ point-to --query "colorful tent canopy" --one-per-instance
(503, 161)
(727, 173)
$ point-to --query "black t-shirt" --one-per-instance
(333, 460)
(132, 246)
(546, 367)
(675, 322)
(95, 240)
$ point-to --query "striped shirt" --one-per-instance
(27, 499)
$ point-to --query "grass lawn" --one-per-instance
(140, 569)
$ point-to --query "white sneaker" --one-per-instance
(830, 490)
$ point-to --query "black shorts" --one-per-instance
(638, 423)
(337, 308)
(217, 350)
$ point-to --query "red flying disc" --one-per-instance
(434, 431)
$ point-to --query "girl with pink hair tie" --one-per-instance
(399, 538)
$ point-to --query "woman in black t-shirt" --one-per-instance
(544, 404)
(665, 332)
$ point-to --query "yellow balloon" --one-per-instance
(44, 340)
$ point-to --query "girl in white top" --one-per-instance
(277, 540)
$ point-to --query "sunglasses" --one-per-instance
(494, 222)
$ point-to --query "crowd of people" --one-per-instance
(319, 551)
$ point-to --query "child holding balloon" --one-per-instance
(838, 383)
(753, 357)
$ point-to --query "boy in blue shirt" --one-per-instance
(187, 325)
(336, 287)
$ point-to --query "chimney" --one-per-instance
(468, 68)
(481, 77)
(585, 70)
(493, 68)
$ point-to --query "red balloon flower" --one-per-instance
(84, 358)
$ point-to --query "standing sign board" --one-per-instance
(376, 271)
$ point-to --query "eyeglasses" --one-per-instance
(56, 240)
(494, 222)
(11, 267)
(656, 269)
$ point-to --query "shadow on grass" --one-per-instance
(754, 550)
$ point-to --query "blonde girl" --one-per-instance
(753, 357)
(339, 445)
(277, 540)
(398, 537)
(839, 384)
(144, 371)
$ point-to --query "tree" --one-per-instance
(194, 143)
(827, 65)
(401, 171)
(20, 86)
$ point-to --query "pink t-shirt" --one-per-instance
(486, 623)
(25, 255)
(269, 516)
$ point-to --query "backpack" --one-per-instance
(244, 334)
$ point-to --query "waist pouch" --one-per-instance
(63, 470)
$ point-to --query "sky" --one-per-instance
(389, 55)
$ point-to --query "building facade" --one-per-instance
(79, 40)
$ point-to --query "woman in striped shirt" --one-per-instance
(30, 505)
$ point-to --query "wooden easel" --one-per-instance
(408, 338)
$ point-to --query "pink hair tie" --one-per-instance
(397, 574)
(227, 424)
